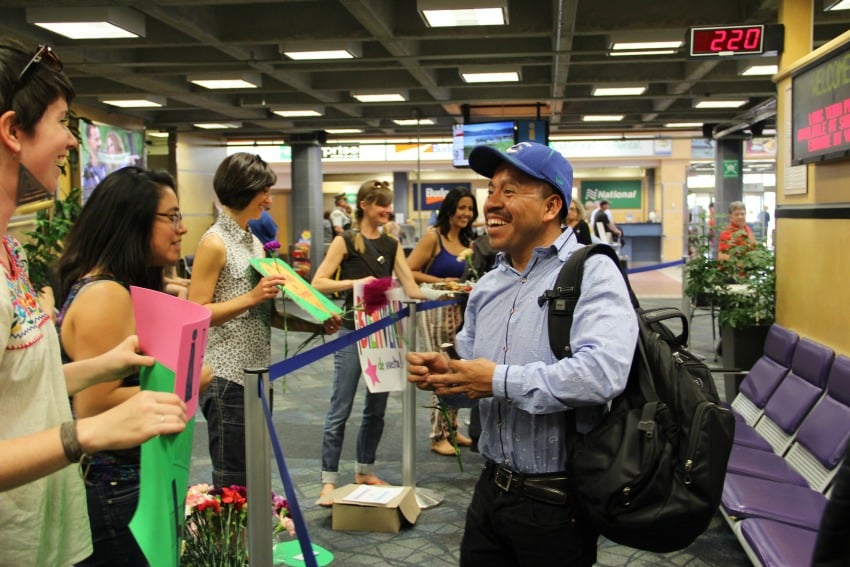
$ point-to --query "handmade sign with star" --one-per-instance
(381, 353)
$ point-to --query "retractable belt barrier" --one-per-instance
(260, 542)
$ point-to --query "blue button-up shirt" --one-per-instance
(524, 424)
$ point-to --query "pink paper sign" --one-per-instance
(174, 332)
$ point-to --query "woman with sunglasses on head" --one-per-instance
(363, 254)
(42, 499)
(129, 230)
(435, 260)
(242, 306)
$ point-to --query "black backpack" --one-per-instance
(650, 475)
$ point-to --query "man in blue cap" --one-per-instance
(522, 512)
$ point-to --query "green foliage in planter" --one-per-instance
(753, 301)
(702, 276)
(742, 287)
(45, 242)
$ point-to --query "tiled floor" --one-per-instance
(299, 414)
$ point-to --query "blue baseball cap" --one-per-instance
(539, 161)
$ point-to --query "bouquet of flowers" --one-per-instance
(216, 520)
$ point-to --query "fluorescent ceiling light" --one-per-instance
(344, 130)
(490, 75)
(136, 102)
(602, 117)
(753, 70)
(217, 125)
(618, 91)
(832, 5)
(683, 125)
(645, 45)
(634, 53)
(374, 96)
(320, 50)
(458, 13)
(224, 81)
(718, 103)
(297, 112)
(414, 122)
(151, 134)
(102, 22)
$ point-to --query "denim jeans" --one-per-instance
(111, 507)
(223, 404)
(346, 381)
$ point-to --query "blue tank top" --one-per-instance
(445, 264)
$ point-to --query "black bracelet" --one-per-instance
(70, 443)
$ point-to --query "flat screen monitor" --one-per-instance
(501, 135)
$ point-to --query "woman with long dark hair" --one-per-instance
(129, 230)
(436, 259)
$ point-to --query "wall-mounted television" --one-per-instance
(466, 136)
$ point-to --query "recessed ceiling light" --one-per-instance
(224, 81)
(344, 130)
(155, 134)
(139, 102)
(297, 113)
(104, 22)
(217, 125)
(683, 125)
(602, 117)
(645, 45)
(753, 70)
(490, 76)
(636, 53)
(414, 122)
(458, 13)
(721, 103)
(833, 5)
(618, 91)
(302, 50)
(363, 96)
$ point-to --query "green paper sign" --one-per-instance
(158, 522)
(306, 296)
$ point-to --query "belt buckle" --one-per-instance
(503, 478)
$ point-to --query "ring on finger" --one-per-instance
(162, 418)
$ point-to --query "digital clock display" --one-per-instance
(727, 40)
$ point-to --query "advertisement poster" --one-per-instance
(105, 148)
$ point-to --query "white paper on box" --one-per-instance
(366, 494)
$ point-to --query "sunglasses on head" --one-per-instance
(45, 55)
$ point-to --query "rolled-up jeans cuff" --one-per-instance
(360, 468)
(329, 477)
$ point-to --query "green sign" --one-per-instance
(621, 194)
(730, 168)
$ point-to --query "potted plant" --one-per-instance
(45, 242)
(747, 306)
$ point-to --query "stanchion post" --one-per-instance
(258, 469)
(408, 411)
(426, 498)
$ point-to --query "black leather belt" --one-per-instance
(549, 488)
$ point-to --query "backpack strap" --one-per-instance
(563, 298)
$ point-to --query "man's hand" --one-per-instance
(433, 371)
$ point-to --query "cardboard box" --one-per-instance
(359, 507)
